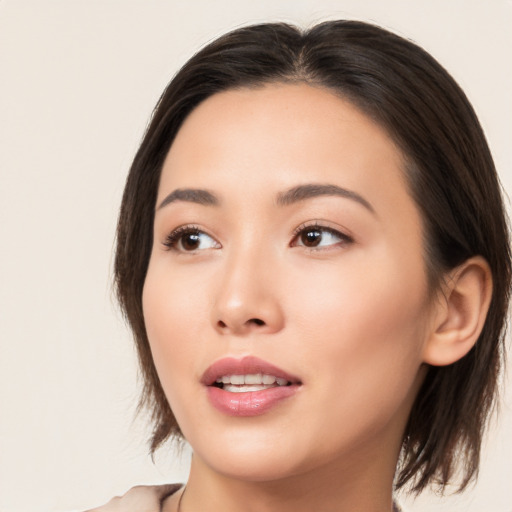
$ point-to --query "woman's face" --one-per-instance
(286, 249)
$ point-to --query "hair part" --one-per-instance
(450, 174)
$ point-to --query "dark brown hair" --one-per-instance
(451, 177)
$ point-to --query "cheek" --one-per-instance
(175, 302)
(364, 327)
(175, 315)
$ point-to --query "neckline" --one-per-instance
(174, 488)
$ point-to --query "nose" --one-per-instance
(247, 298)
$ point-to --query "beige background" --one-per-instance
(78, 80)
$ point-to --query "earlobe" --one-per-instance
(459, 313)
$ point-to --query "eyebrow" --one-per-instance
(191, 195)
(311, 190)
(289, 197)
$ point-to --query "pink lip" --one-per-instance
(251, 403)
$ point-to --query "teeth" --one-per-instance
(244, 389)
(237, 379)
(268, 379)
(250, 380)
(253, 378)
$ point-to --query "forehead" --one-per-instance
(279, 135)
(303, 117)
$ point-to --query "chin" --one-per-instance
(254, 468)
(252, 458)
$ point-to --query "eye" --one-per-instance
(189, 239)
(317, 236)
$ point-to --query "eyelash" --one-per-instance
(304, 228)
(175, 237)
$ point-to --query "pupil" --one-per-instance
(311, 238)
(190, 241)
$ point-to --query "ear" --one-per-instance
(459, 313)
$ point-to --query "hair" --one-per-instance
(450, 175)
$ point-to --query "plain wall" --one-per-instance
(78, 80)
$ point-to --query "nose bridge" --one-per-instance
(247, 296)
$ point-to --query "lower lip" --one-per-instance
(252, 403)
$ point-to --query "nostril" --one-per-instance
(248, 324)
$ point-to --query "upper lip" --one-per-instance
(245, 366)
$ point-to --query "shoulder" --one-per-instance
(397, 507)
(142, 498)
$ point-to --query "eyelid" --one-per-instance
(321, 226)
(171, 241)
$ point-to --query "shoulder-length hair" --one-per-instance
(450, 174)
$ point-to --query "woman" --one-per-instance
(314, 259)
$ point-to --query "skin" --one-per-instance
(352, 317)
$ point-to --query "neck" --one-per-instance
(343, 488)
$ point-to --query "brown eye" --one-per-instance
(189, 239)
(311, 237)
(318, 237)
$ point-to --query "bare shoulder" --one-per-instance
(141, 498)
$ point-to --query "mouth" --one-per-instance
(246, 374)
(249, 382)
(247, 386)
